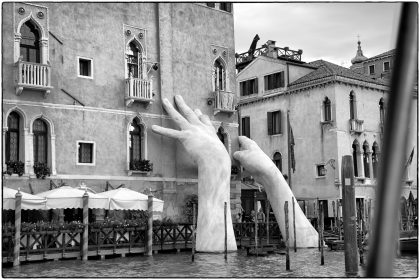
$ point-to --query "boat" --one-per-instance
(409, 241)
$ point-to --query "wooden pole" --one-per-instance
(318, 224)
(294, 225)
(194, 231)
(150, 225)
(286, 215)
(334, 214)
(339, 219)
(267, 218)
(289, 152)
(18, 212)
(256, 223)
(86, 226)
(225, 230)
(349, 216)
(321, 230)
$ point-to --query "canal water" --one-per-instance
(303, 263)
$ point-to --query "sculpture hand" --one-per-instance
(197, 134)
(253, 159)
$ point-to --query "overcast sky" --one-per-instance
(322, 30)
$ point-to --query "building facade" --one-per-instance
(83, 84)
(333, 111)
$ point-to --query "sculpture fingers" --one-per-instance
(174, 114)
(168, 132)
(204, 118)
(186, 110)
(240, 156)
(245, 143)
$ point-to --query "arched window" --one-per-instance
(29, 43)
(40, 131)
(278, 160)
(381, 111)
(219, 76)
(134, 61)
(12, 137)
(375, 159)
(352, 106)
(220, 134)
(135, 142)
(355, 148)
(327, 109)
(366, 159)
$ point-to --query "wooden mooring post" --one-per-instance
(321, 231)
(18, 220)
(318, 224)
(256, 223)
(286, 215)
(86, 226)
(225, 219)
(194, 231)
(349, 216)
(150, 225)
(294, 225)
(267, 218)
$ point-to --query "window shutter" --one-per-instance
(280, 126)
(247, 127)
(265, 82)
(282, 79)
(270, 123)
(255, 85)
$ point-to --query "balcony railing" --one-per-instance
(224, 102)
(33, 76)
(356, 126)
(138, 90)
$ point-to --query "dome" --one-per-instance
(359, 55)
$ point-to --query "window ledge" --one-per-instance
(277, 134)
(327, 122)
(16, 176)
(320, 177)
(138, 172)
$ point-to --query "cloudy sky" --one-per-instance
(322, 30)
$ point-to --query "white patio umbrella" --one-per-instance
(68, 197)
(29, 201)
(126, 199)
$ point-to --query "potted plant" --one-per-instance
(41, 170)
(141, 165)
(15, 167)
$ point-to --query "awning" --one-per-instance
(29, 201)
(126, 199)
(68, 197)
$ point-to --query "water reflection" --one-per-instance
(304, 263)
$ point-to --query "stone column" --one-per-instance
(26, 159)
(30, 153)
(53, 169)
(44, 50)
(16, 54)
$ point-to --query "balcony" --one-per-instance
(33, 76)
(224, 102)
(356, 126)
(138, 90)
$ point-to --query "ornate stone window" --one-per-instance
(327, 110)
(375, 159)
(219, 69)
(134, 60)
(12, 137)
(136, 141)
(40, 132)
(353, 111)
(366, 158)
(30, 42)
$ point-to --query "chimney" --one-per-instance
(271, 49)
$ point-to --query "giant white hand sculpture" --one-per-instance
(199, 138)
(262, 168)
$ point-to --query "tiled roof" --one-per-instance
(391, 52)
(328, 69)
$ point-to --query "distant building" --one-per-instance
(333, 111)
(83, 84)
(376, 67)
